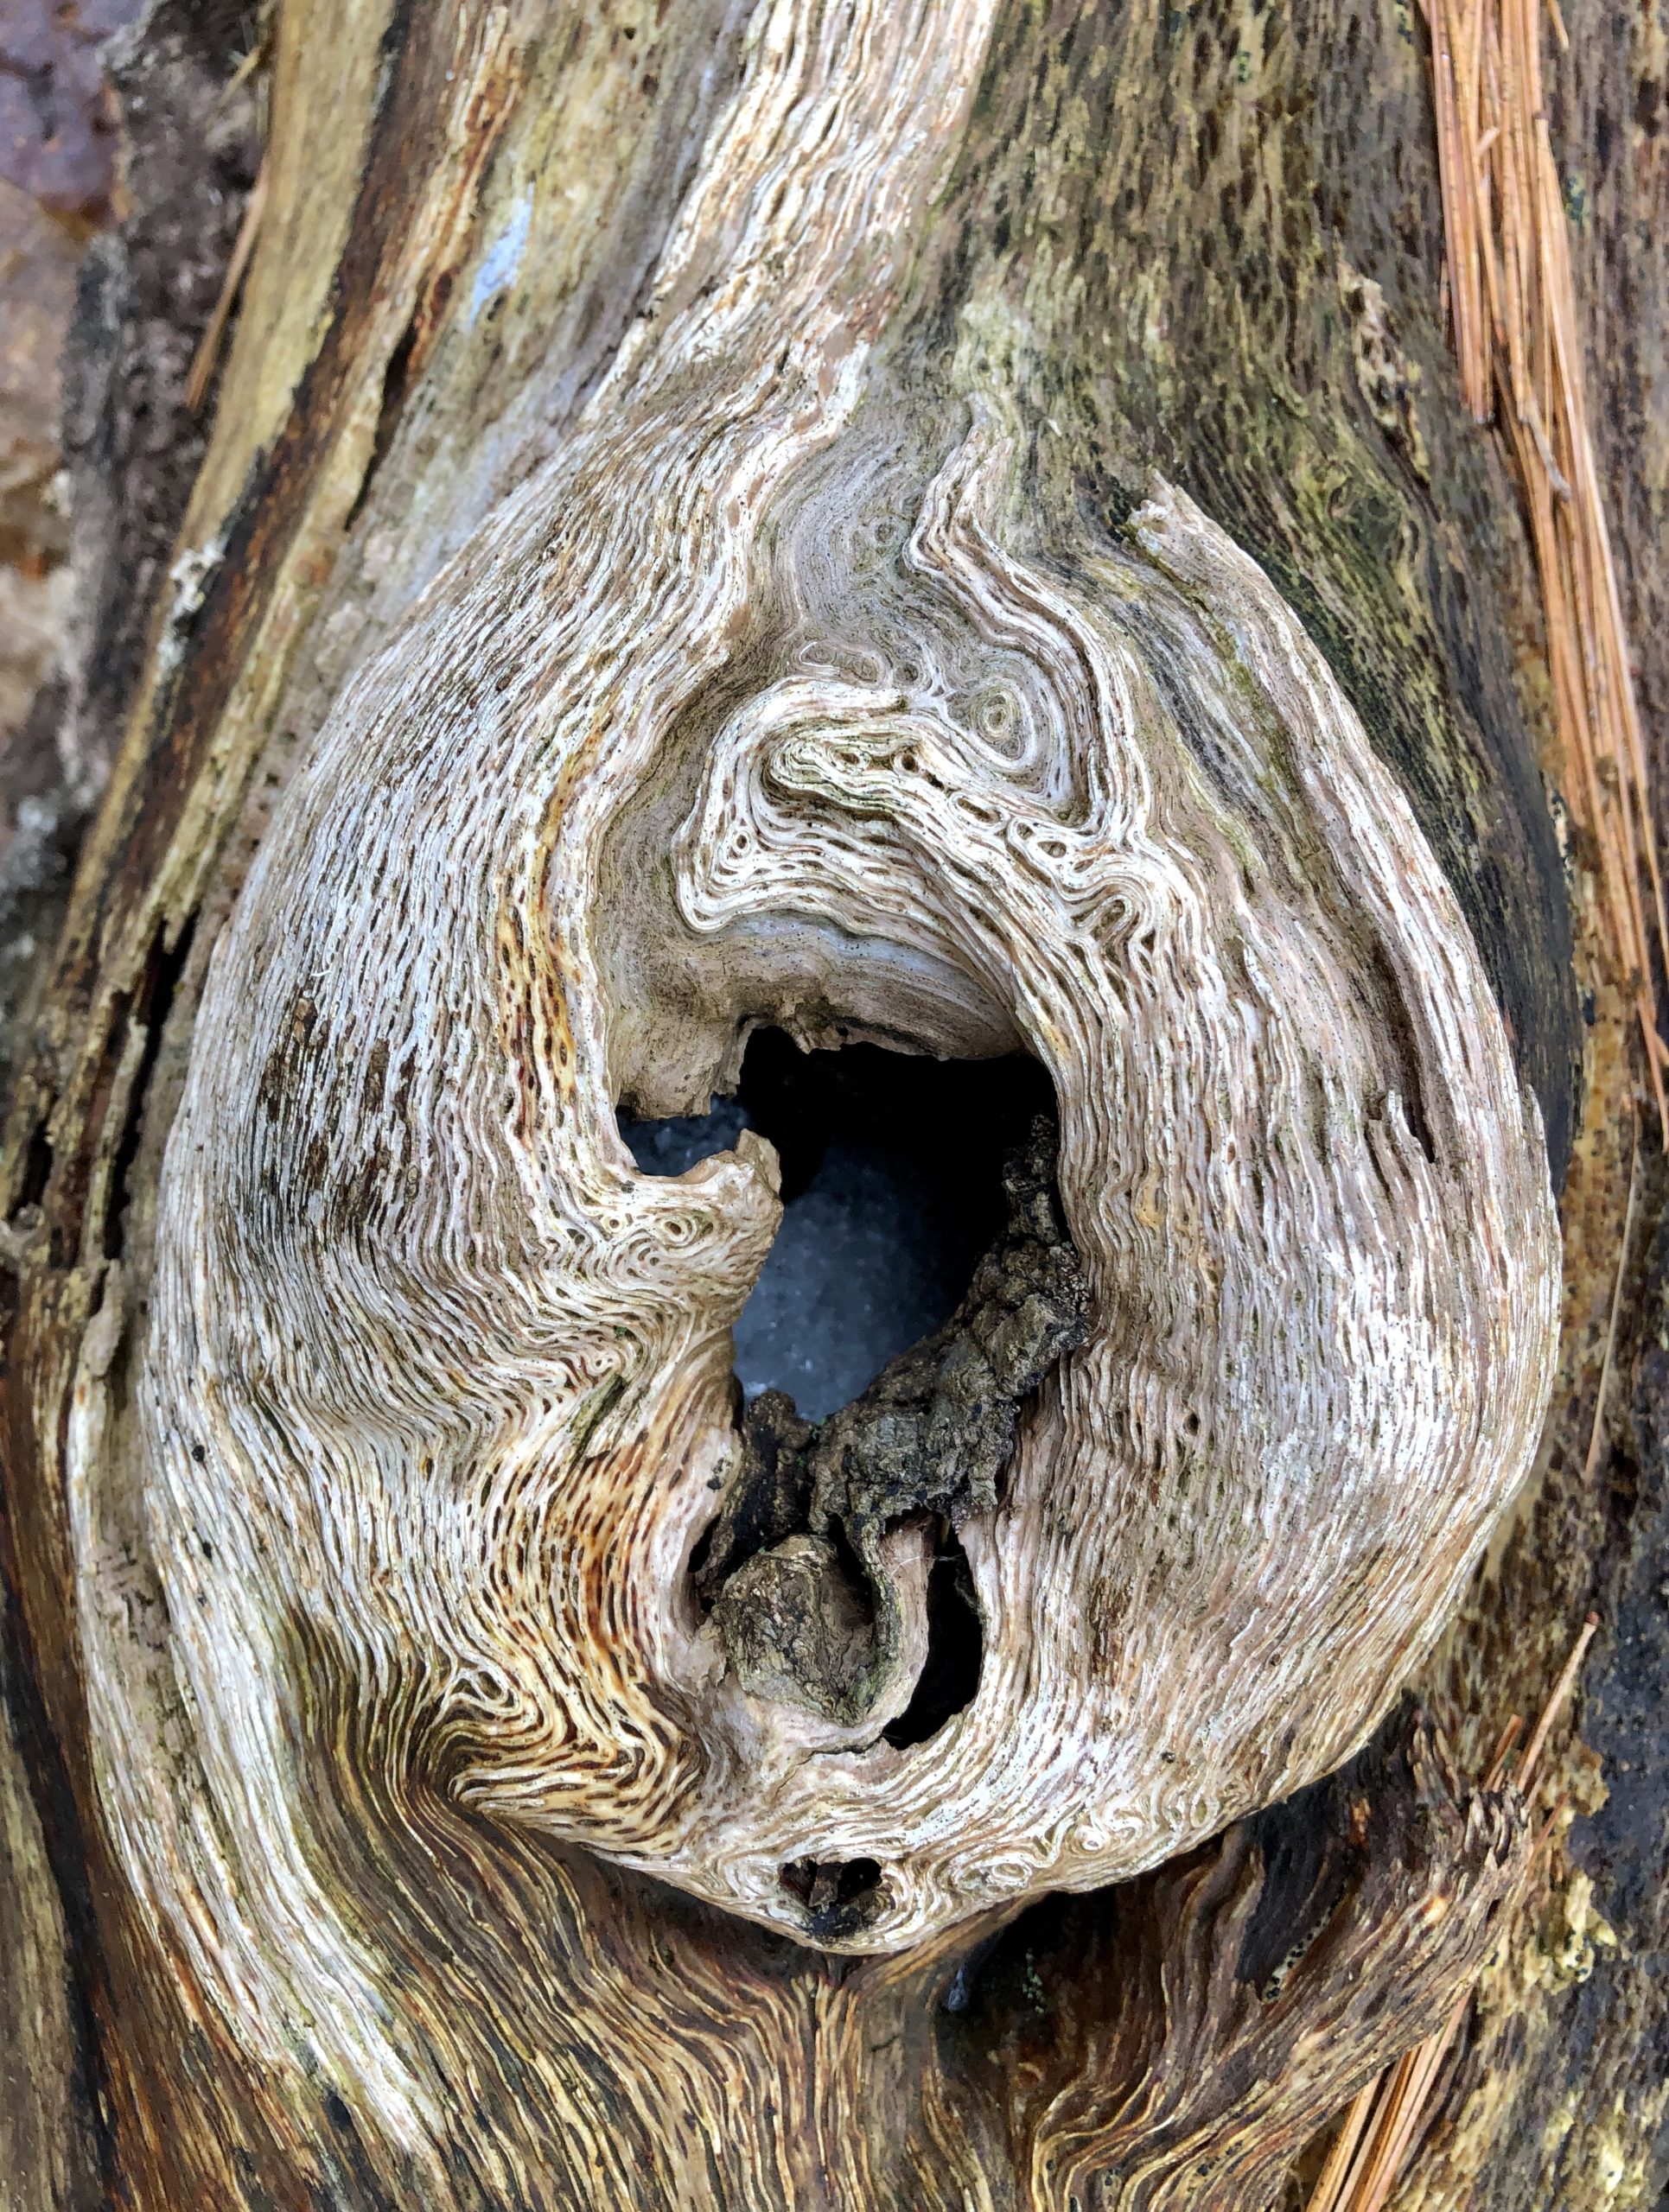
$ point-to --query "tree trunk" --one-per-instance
(932, 534)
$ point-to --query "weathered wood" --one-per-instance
(1204, 242)
(47, 2156)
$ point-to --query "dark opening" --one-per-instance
(397, 378)
(956, 1646)
(37, 1167)
(839, 1895)
(149, 1009)
(891, 1191)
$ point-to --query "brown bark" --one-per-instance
(1219, 231)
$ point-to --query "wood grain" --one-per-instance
(687, 552)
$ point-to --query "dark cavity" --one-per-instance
(923, 1285)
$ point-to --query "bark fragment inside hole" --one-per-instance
(891, 1186)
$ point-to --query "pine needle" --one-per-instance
(1562, 1690)
(1512, 300)
(208, 346)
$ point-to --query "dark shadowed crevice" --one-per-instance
(949, 1679)
(37, 1168)
(396, 384)
(839, 1896)
(164, 967)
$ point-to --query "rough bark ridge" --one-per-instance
(814, 648)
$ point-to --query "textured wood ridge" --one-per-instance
(754, 600)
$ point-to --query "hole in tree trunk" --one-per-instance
(837, 1895)
(891, 1189)
(922, 1284)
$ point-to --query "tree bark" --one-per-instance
(950, 529)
